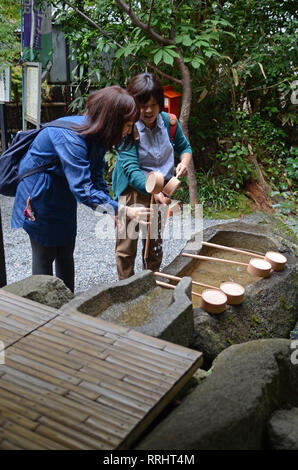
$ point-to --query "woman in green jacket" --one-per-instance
(153, 151)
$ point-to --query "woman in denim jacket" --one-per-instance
(46, 203)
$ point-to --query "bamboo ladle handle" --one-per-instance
(170, 286)
(209, 258)
(148, 230)
(236, 250)
(176, 278)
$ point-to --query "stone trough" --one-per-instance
(138, 303)
(270, 306)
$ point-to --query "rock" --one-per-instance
(201, 374)
(47, 290)
(207, 336)
(283, 429)
(230, 408)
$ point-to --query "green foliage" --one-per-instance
(214, 193)
(235, 161)
(124, 49)
(110, 158)
(267, 142)
(287, 191)
(9, 23)
(287, 204)
(292, 164)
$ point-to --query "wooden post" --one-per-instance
(3, 281)
(3, 125)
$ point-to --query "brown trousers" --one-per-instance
(126, 248)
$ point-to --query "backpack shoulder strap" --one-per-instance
(39, 169)
(59, 123)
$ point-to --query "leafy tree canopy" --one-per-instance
(9, 25)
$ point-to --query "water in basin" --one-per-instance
(214, 273)
(140, 310)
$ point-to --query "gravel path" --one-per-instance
(94, 257)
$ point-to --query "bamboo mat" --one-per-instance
(20, 316)
(79, 382)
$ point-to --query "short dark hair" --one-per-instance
(108, 110)
(145, 85)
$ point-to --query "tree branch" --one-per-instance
(169, 77)
(107, 35)
(150, 13)
(145, 27)
(172, 35)
(87, 18)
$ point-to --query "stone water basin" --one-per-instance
(139, 310)
(140, 304)
(270, 305)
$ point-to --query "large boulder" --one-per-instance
(230, 408)
(47, 290)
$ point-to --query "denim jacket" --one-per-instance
(54, 194)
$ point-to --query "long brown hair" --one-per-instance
(108, 110)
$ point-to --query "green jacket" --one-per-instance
(127, 171)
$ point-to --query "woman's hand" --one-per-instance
(181, 170)
(140, 213)
(160, 198)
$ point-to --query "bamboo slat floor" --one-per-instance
(20, 316)
(71, 381)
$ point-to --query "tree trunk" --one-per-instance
(184, 119)
(262, 182)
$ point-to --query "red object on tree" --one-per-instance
(172, 100)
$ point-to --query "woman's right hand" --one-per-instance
(139, 213)
(160, 198)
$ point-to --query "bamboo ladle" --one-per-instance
(213, 301)
(154, 185)
(277, 260)
(256, 267)
(233, 291)
(171, 187)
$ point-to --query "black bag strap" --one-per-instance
(39, 169)
(59, 123)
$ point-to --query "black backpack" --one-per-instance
(10, 159)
